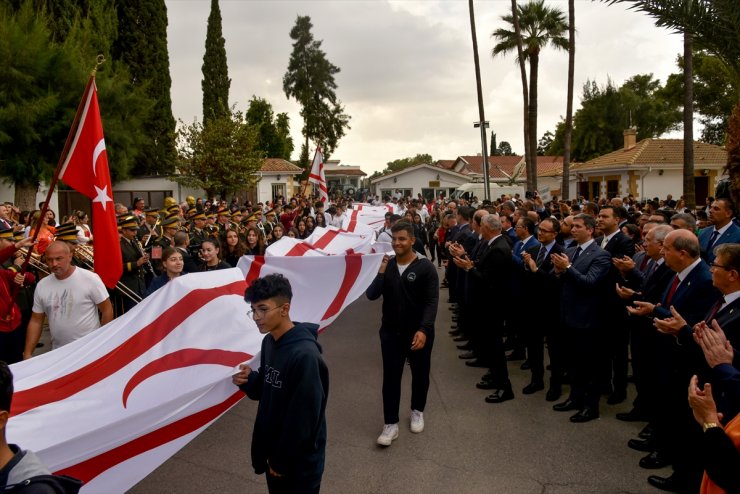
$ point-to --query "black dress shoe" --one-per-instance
(500, 396)
(465, 346)
(644, 445)
(455, 331)
(476, 362)
(516, 356)
(616, 397)
(468, 355)
(646, 432)
(566, 406)
(460, 337)
(486, 384)
(553, 394)
(525, 365)
(632, 416)
(654, 460)
(533, 388)
(667, 484)
(487, 377)
(585, 415)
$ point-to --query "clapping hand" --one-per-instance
(713, 342)
(670, 325)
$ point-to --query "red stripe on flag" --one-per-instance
(94, 372)
(254, 269)
(92, 467)
(186, 357)
(352, 221)
(303, 247)
(299, 249)
(351, 272)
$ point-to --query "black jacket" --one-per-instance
(292, 386)
(409, 300)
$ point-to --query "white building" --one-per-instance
(430, 181)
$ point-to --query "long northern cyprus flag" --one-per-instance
(111, 407)
(316, 175)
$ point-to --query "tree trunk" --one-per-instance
(733, 153)
(565, 190)
(525, 91)
(25, 196)
(689, 193)
(533, 68)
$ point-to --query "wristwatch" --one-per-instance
(709, 425)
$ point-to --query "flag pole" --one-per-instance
(305, 186)
(55, 178)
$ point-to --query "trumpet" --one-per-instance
(35, 261)
(149, 266)
(84, 254)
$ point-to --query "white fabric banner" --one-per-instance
(329, 241)
(113, 406)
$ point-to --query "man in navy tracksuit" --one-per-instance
(292, 385)
(409, 285)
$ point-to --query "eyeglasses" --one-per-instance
(258, 312)
(545, 231)
(715, 265)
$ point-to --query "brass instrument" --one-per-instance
(153, 231)
(149, 266)
(36, 261)
(84, 254)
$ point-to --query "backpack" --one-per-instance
(61, 484)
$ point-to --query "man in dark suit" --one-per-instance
(488, 283)
(692, 295)
(539, 280)
(507, 229)
(722, 231)
(519, 318)
(619, 246)
(583, 272)
(134, 261)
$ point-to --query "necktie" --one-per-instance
(604, 242)
(671, 291)
(644, 263)
(575, 256)
(715, 309)
(541, 255)
(650, 268)
(713, 238)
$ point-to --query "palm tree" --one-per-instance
(714, 25)
(539, 25)
(565, 190)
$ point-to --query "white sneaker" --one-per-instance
(390, 432)
(417, 421)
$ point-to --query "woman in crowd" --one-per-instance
(172, 267)
(46, 232)
(234, 248)
(210, 252)
(292, 233)
(310, 224)
(301, 228)
(633, 233)
(277, 233)
(320, 221)
(255, 242)
(81, 220)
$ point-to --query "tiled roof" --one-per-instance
(652, 152)
(279, 165)
(354, 172)
(445, 164)
(501, 166)
(474, 164)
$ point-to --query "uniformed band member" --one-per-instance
(150, 227)
(135, 262)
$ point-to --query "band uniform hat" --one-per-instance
(236, 214)
(19, 235)
(67, 232)
(174, 208)
(199, 216)
(191, 212)
(223, 212)
(171, 221)
(210, 216)
(7, 234)
(251, 217)
(127, 221)
(152, 212)
(270, 212)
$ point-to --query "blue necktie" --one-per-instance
(575, 256)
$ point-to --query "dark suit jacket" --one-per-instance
(584, 287)
(488, 278)
(619, 245)
(518, 248)
(694, 297)
(544, 284)
(731, 236)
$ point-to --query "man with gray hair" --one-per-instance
(683, 221)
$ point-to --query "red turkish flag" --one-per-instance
(85, 169)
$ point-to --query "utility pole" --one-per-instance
(482, 124)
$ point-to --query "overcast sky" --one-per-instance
(407, 76)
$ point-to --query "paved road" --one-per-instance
(469, 446)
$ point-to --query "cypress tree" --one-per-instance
(216, 80)
(142, 46)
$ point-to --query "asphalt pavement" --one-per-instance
(468, 446)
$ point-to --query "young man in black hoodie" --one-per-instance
(409, 285)
(21, 471)
(292, 385)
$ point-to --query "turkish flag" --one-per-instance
(85, 169)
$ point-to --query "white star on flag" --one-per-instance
(102, 196)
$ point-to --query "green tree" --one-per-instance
(540, 26)
(40, 87)
(273, 132)
(310, 80)
(402, 163)
(568, 138)
(544, 143)
(142, 46)
(494, 147)
(216, 82)
(221, 157)
(504, 149)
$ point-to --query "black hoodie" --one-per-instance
(292, 386)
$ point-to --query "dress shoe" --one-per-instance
(669, 484)
(460, 337)
(465, 346)
(454, 318)
(646, 432)
(467, 355)
(644, 445)
(525, 365)
(500, 396)
(486, 384)
(566, 406)
(616, 397)
(455, 331)
(516, 356)
(533, 387)
(654, 460)
(487, 377)
(585, 415)
(476, 362)
(632, 416)
(553, 394)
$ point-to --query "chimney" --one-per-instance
(630, 138)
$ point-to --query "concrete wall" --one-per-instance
(7, 194)
(418, 179)
(264, 186)
(179, 192)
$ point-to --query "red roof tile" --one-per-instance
(279, 165)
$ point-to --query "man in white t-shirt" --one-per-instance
(71, 298)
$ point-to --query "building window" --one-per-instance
(612, 188)
(595, 191)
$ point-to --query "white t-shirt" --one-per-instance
(70, 304)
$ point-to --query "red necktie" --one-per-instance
(715, 309)
(672, 291)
